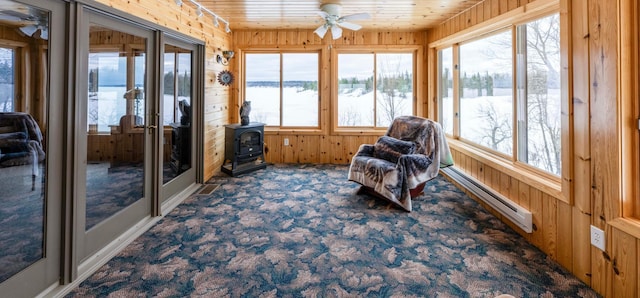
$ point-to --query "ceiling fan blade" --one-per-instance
(336, 32)
(321, 31)
(350, 26)
(323, 14)
(356, 16)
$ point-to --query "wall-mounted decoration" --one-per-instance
(225, 57)
(225, 78)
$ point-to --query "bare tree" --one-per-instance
(393, 86)
(543, 127)
(497, 130)
(349, 117)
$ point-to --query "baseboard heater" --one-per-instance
(514, 212)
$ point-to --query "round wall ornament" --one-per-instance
(225, 78)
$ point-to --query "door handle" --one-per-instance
(150, 127)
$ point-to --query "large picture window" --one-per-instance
(498, 109)
(374, 88)
(283, 88)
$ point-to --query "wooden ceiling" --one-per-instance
(406, 15)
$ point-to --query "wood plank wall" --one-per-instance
(183, 19)
(563, 226)
(324, 146)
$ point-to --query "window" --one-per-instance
(110, 89)
(107, 87)
(177, 83)
(539, 97)
(445, 89)
(486, 92)
(489, 93)
(283, 88)
(389, 74)
(7, 80)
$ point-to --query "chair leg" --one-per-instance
(417, 190)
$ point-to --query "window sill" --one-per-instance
(630, 226)
(292, 131)
(360, 131)
(550, 186)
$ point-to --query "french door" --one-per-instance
(180, 87)
(32, 93)
(117, 129)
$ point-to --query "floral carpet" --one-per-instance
(304, 231)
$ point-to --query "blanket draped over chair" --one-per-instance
(411, 153)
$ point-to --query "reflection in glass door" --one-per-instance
(179, 90)
(30, 176)
(115, 113)
(177, 111)
(116, 178)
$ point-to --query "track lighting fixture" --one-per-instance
(200, 10)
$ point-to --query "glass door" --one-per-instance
(116, 131)
(179, 90)
(32, 43)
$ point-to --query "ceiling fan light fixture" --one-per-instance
(330, 13)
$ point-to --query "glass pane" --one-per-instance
(106, 93)
(177, 112)
(355, 90)
(543, 94)
(300, 90)
(22, 146)
(116, 104)
(445, 88)
(169, 94)
(394, 86)
(263, 87)
(7, 78)
(486, 92)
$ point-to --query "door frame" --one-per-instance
(187, 180)
(88, 242)
(47, 271)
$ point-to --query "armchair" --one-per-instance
(399, 164)
(20, 142)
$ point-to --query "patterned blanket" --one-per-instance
(412, 152)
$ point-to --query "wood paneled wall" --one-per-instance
(320, 146)
(183, 19)
(592, 69)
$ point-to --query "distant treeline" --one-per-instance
(305, 85)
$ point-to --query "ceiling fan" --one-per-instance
(25, 20)
(332, 20)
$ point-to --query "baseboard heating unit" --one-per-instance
(514, 212)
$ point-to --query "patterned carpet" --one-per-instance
(303, 231)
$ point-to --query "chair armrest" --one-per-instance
(365, 150)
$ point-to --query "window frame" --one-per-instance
(280, 51)
(629, 100)
(419, 91)
(558, 186)
(22, 59)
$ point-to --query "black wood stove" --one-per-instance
(244, 148)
